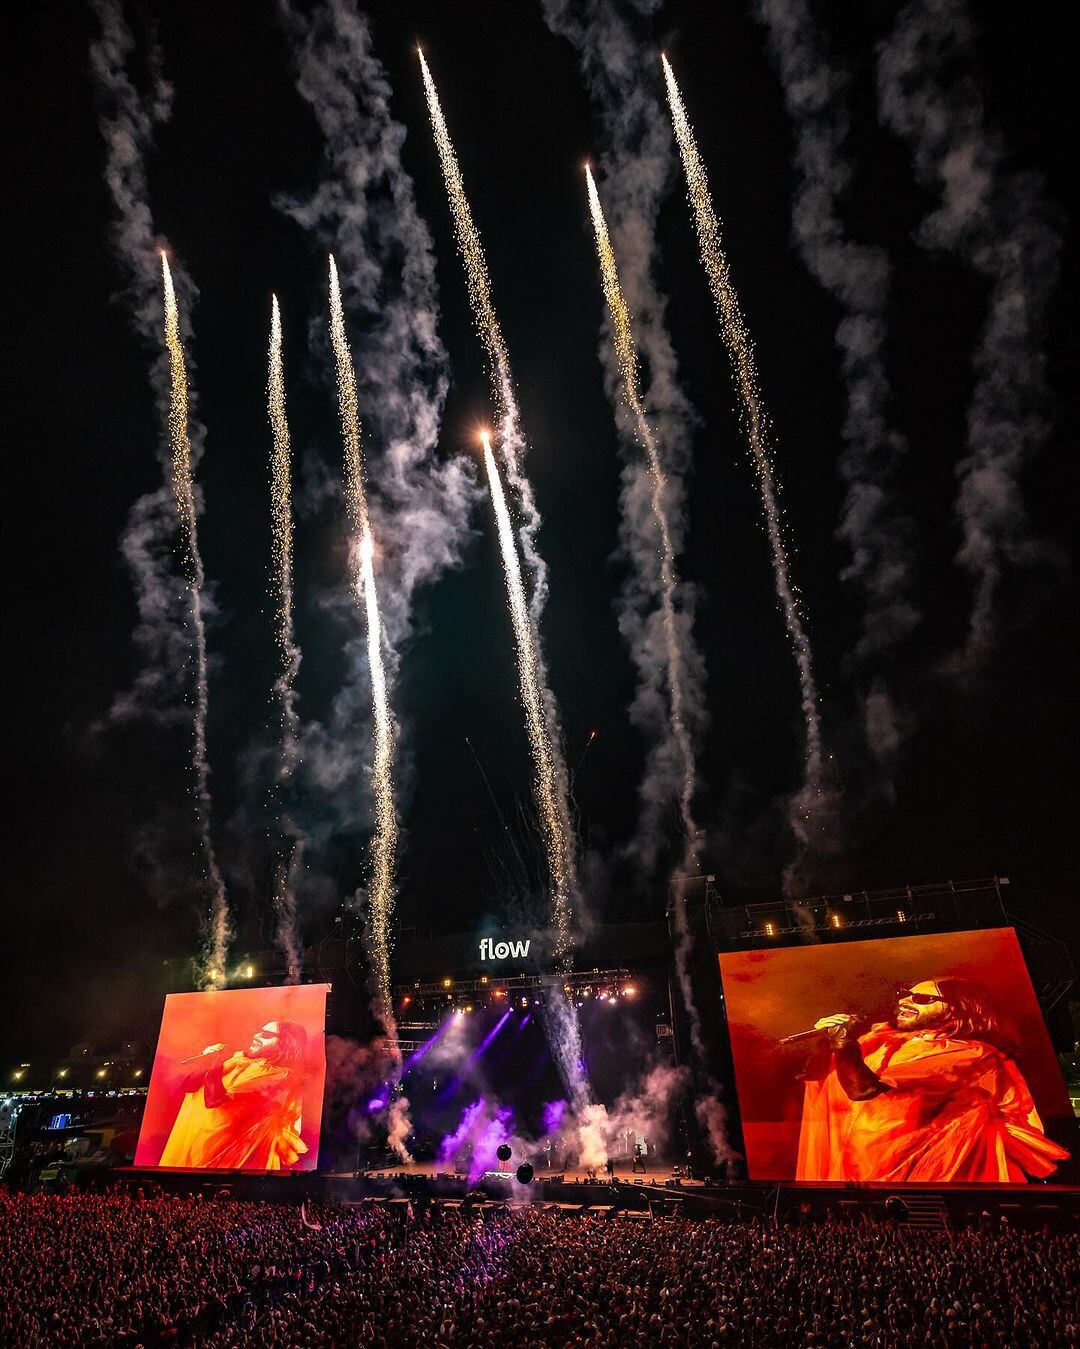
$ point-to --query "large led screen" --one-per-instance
(237, 1081)
(934, 1064)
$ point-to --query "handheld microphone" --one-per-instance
(802, 1035)
(196, 1058)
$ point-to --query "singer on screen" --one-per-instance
(930, 1096)
(242, 1109)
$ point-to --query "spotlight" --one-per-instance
(406, 1000)
(448, 983)
(503, 1152)
(524, 1002)
(770, 929)
(629, 991)
(525, 1173)
(836, 920)
(901, 916)
(498, 993)
(469, 1008)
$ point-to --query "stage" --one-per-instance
(653, 1173)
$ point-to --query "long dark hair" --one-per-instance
(291, 1044)
(972, 1015)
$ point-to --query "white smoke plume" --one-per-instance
(645, 1109)
(655, 608)
(562, 1026)
(857, 276)
(655, 420)
(399, 1127)
(354, 1072)
(708, 1105)
(173, 610)
(587, 1133)
(997, 220)
(364, 211)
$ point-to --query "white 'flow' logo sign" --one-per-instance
(499, 950)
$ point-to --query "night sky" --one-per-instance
(987, 781)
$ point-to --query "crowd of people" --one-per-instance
(123, 1269)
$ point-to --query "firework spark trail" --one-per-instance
(219, 929)
(381, 884)
(510, 435)
(638, 163)
(546, 785)
(285, 684)
(709, 1108)
(385, 841)
(875, 524)
(626, 354)
(552, 779)
(282, 548)
(756, 424)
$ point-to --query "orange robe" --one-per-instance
(959, 1110)
(252, 1120)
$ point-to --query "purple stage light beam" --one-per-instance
(486, 1041)
(455, 1082)
(417, 1054)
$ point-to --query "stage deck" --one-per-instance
(654, 1174)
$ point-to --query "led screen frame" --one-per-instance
(932, 1112)
(255, 1103)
